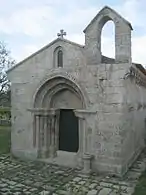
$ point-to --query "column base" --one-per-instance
(87, 163)
(53, 152)
(43, 153)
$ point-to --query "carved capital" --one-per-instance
(44, 112)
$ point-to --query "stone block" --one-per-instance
(105, 191)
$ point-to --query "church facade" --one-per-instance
(75, 107)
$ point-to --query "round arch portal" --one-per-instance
(54, 107)
(61, 89)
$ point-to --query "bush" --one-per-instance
(5, 113)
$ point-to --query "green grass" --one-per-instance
(141, 186)
(4, 139)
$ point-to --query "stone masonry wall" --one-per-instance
(109, 105)
(26, 79)
(120, 128)
(134, 128)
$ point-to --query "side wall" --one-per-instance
(109, 104)
(121, 111)
(134, 129)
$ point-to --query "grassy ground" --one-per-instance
(4, 139)
(141, 186)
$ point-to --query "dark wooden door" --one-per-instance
(68, 131)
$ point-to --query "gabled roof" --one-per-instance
(111, 10)
(140, 67)
(43, 48)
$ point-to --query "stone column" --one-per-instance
(41, 128)
(47, 135)
(53, 132)
(86, 158)
(41, 138)
(87, 163)
(37, 133)
(36, 129)
(82, 126)
(44, 136)
(45, 132)
(57, 129)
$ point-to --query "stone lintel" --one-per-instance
(83, 113)
(43, 111)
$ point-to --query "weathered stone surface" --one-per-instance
(70, 182)
(105, 191)
(107, 95)
(92, 192)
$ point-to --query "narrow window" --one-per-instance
(60, 58)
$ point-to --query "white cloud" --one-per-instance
(79, 16)
(25, 51)
(139, 49)
(43, 20)
(132, 11)
(27, 21)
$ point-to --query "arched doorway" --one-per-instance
(54, 105)
(66, 100)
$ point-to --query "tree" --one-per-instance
(5, 62)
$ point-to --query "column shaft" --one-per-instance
(52, 146)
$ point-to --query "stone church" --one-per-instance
(74, 107)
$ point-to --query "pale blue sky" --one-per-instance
(27, 25)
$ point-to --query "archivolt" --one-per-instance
(55, 84)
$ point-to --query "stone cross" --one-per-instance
(61, 34)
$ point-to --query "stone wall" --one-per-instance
(133, 127)
(120, 129)
(26, 78)
(109, 104)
